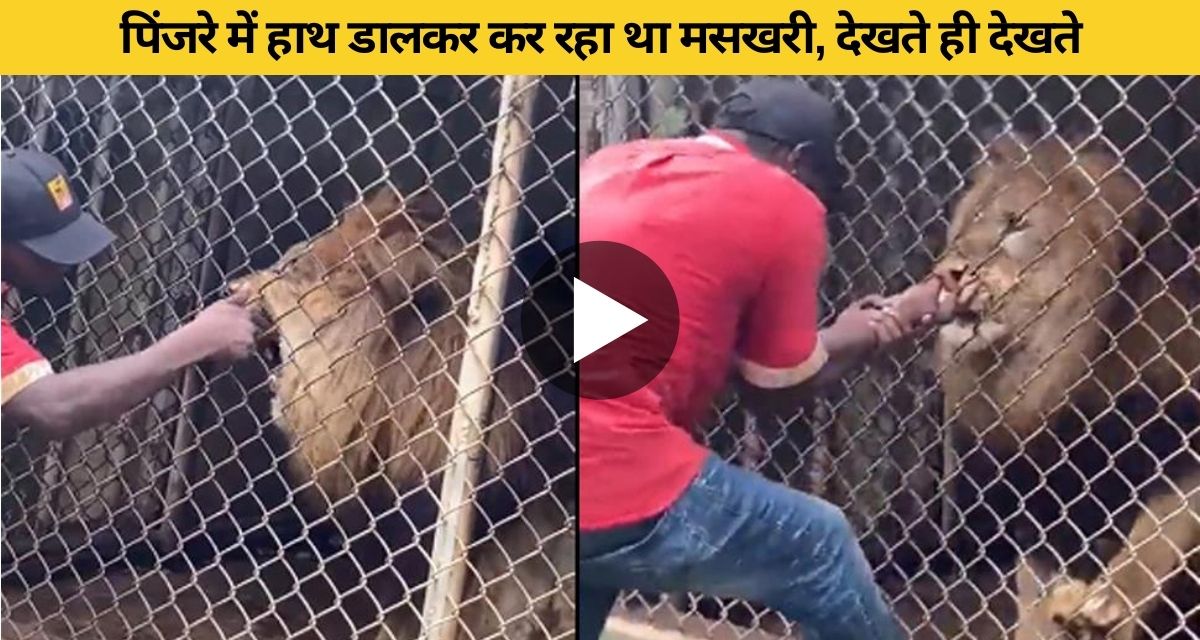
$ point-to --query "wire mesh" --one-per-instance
(293, 495)
(999, 467)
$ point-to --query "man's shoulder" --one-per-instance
(14, 348)
(645, 148)
(644, 165)
(20, 363)
(698, 171)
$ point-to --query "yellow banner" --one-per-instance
(610, 37)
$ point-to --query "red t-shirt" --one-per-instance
(743, 245)
(20, 363)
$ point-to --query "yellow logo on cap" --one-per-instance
(60, 192)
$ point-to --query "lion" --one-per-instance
(1074, 330)
(1162, 545)
(1048, 231)
(369, 325)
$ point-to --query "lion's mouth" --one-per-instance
(968, 318)
(269, 342)
(972, 327)
(270, 352)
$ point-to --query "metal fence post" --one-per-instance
(448, 565)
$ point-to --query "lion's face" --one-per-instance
(1005, 234)
(364, 317)
(1034, 215)
(323, 297)
(1041, 228)
(294, 295)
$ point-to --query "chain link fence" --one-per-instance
(299, 494)
(1033, 445)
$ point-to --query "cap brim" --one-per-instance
(74, 244)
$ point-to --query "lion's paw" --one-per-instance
(1085, 610)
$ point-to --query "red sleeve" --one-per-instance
(780, 345)
(20, 363)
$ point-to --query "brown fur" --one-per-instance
(370, 327)
(1073, 311)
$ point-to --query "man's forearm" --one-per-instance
(843, 357)
(66, 403)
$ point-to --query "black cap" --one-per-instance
(39, 210)
(784, 110)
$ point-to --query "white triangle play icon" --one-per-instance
(598, 319)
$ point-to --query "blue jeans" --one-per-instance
(735, 534)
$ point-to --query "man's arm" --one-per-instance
(782, 345)
(63, 404)
(874, 323)
(845, 355)
(846, 344)
(866, 326)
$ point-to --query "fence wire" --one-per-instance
(1046, 443)
(294, 495)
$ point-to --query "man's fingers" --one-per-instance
(877, 333)
(947, 281)
(885, 333)
(892, 314)
(946, 305)
(260, 323)
(889, 324)
(927, 289)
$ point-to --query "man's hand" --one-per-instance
(875, 322)
(957, 294)
(934, 301)
(887, 320)
(63, 404)
(867, 324)
(224, 331)
(923, 304)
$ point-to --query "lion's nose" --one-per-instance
(237, 289)
(951, 271)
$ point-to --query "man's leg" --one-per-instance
(596, 599)
(736, 534)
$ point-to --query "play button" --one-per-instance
(600, 321)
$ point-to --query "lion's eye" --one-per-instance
(1017, 244)
(1016, 222)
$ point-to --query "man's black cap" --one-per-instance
(783, 110)
(39, 210)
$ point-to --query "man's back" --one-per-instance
(742, 244)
